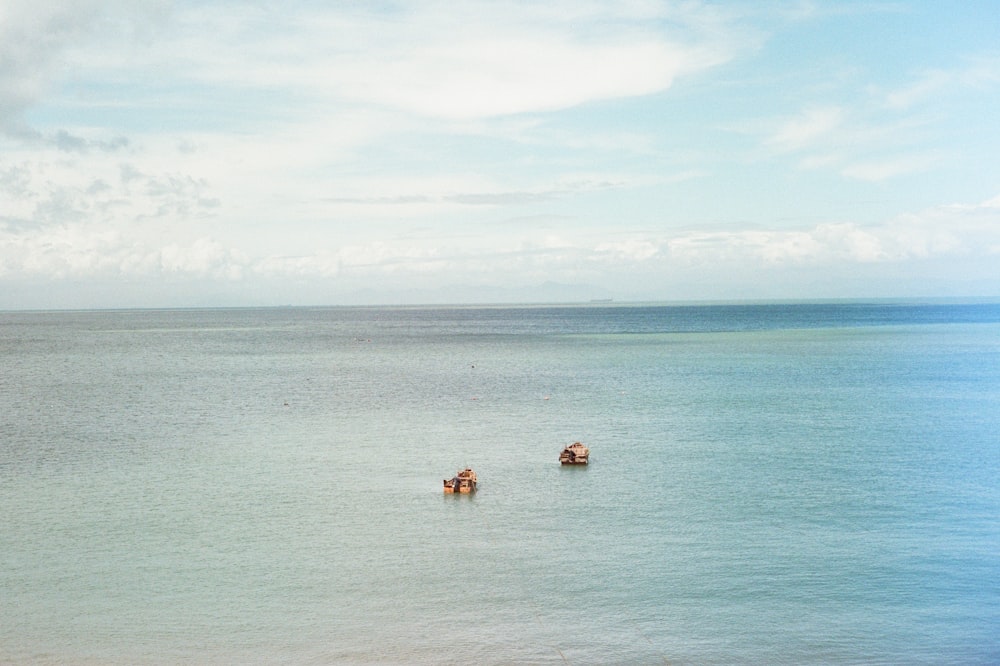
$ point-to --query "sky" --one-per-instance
(198, 154)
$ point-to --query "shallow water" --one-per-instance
(769, 484)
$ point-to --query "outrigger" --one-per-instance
(574, 454)
(463, 482)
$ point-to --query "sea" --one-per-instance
(769, 483)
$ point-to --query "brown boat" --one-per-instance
(574, 454)
(463, 482)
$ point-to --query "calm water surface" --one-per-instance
(796, 484)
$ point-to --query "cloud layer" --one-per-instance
(651, 148)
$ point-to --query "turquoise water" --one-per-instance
(797, 484)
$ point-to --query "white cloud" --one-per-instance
(883, 135)
(36, 35)
(862, 142)
(627, 251)
(204, 258)
(477, 60)
(957, 232)
(322, 264)
(515, 74)
(807, 128)
(88, 250)
(32, 34)
(818, 245)
(991, 203)
(975, 74)
(888, 168)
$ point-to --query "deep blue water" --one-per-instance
(770, 483)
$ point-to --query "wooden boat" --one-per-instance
(463, 482)
(574, 454)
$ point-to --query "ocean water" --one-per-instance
(769, 484)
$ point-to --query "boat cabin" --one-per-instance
(575, 454)
(463, 482)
